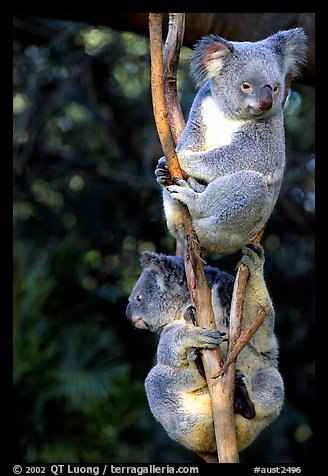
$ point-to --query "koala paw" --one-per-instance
(242, 403)
(162, 173)
(182, 191)
(201, 338)
(189, 315)
(253, 258)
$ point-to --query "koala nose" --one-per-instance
(265, 98)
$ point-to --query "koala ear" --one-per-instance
(208, 57)
(290, 47)
(156, 263)
(153, 261)
(169, 270)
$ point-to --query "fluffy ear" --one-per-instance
(290, 47)
(169, 270)
(208, 57)
(156, 263)
(153, 261)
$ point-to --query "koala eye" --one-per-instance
(276, 88)
(139, 298)
(246, 87)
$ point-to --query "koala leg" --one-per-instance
(230, 212)
(177, 394)
(180, 402)
(267, 391)
(256, 297)
(174, 217)
(253, 258)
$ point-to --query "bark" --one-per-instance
(171, 55)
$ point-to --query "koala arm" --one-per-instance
(179, 343)
(251, 153)
(213, 145)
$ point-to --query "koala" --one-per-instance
(176, 389)
(233, 148)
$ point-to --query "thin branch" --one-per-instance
(157, 90)
(176, 119)
(244, 337)
(171, 55)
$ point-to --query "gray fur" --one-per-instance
(177, 393)
(233, 145)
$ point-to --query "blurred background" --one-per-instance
(86, 204)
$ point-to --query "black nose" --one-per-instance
(128, 312)
(265, 98)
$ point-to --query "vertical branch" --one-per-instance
(171, 55)
(222, 407)
(159, 106)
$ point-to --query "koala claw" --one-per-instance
(164, 181)
(206, 338)
(162, 162)
(189, 315)
(253, 257)
(163, 176)
(180, 183)
(258, 249)
(192, 354)
(182, 191)
(159, 171)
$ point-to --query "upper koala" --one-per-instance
(233, 147)
(176, 389)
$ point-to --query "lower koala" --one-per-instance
(176, 388)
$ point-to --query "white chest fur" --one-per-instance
(219, 129)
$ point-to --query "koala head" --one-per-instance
(160, 295)
(248, 78)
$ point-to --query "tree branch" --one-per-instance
(223, 417)
(171, 55)
(176, 119)
(244, 337)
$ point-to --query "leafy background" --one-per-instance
(85, 205)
